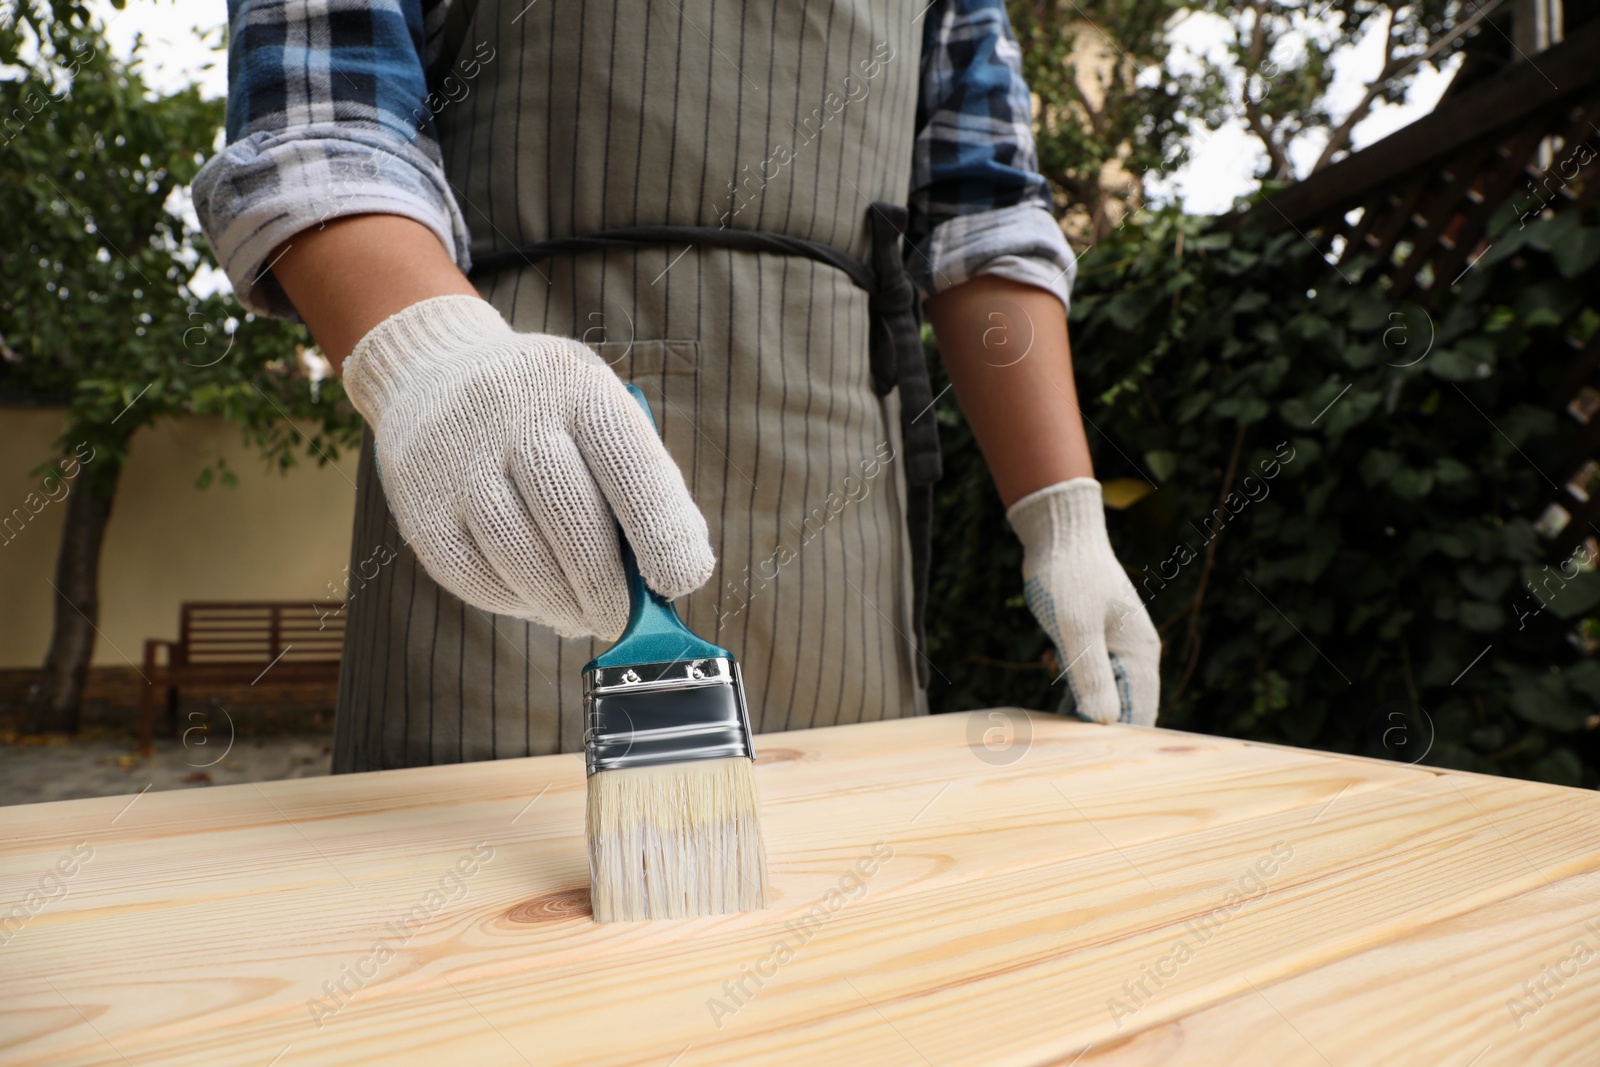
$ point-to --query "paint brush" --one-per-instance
(673, 818)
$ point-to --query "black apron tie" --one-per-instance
(898, 360)
(896, 353)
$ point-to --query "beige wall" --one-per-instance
(272, 537)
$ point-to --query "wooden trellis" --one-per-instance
(1416, 206)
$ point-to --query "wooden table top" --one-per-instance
(948, 890)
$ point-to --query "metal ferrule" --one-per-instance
(649, 713)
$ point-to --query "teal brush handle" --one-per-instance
(654, 633)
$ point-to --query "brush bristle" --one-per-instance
(675, 839)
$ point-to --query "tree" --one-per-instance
(97, 311)
(1285, 53)
(1116, 101)
(1109, 107)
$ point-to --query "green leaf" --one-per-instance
(1481, 618)
(1192, 406)
(1543, 703)
(1272, 373)
(1544, 234)
(1306, 451)
(1127, 310)
(1250, 302)
(1317, 499)
(1379, 466)
(1408, 483)
(1454, 365)
(1584, 677)
(1519, 540)
(1360, 356)
(1320, 549)
(1298, 412)
(1161, 464)
(1451, 471)
(1560, 766)
(1369, 311)
(1350, 410)
(1303, 729)
(1542, 304)
(1238, 262)
(1578, 597)
(1245, 409)
(1576, 251)
(1308, 327)
(1487, 583)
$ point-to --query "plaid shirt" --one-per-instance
(330, 114)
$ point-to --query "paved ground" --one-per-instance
(62, 769)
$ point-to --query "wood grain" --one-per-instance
(1516, 982)
(981, 913)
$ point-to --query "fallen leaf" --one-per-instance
(1120, 493)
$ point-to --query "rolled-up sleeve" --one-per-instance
(978, 204)
(327, 117)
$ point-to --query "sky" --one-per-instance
(1222, 162)
(177, 34)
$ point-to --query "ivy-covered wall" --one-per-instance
(1340, 548)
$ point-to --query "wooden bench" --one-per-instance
(239, 642)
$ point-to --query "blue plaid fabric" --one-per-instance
(330, 106)
(291, 63)
(978, 203)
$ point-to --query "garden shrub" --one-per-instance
(1340, 544)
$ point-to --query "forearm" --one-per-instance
(349, 275)
(1006, 350)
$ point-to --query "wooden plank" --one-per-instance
(921, 967)
(1017, 899)
(1499, 104)
(1384, 215)
(228, 673)
(1522, 984)
(253, 636)
(253, 655)
(1067, 952)
(1498, 183)
(909, 759)
(1445, 209)
(1388, 226)
(253, 633)
(228, 605)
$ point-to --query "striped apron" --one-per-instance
(577, 117)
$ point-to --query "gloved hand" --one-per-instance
(508, 458)
(1079, 593)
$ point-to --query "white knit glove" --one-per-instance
(508, 459)
(1081, 596)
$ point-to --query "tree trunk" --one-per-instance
(53, 705)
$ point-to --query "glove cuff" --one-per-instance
(1070, 512)
(414, 345)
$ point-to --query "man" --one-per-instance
(709, 194)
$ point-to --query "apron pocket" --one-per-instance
(650, 362)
